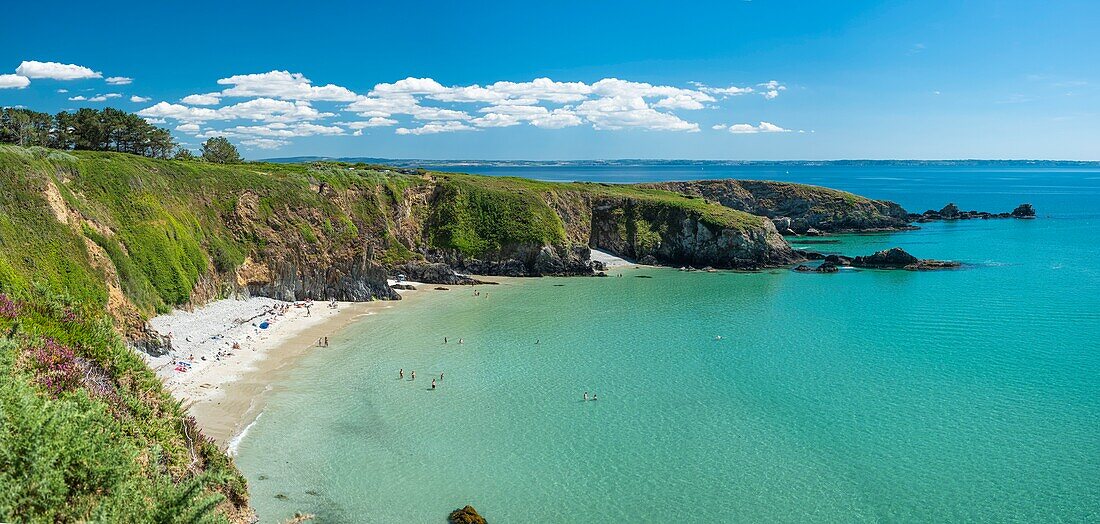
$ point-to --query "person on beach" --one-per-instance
(326, 341)
(433, 383)
(401, 373)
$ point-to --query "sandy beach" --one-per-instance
(610, 261)
(227, 354)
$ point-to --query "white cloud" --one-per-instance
(772, 89)
(259, 109)
(621, 112)
(538, 116)
(62, 91)
(119, 80)
(284, 85)
(610, 104)
(209, 99)
(373, 122)
(55, 71)
(139, 99)
(719, 127)
(726, 91)
(264, 143)
(281, 130)
(97, 98)
(764, 127)
(435, 127)
(188, 128)
(14, 82)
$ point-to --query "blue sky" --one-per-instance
(727, 80)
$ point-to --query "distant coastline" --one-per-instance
(637, 162)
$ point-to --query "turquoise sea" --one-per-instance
(863, 396)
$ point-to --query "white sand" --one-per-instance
(204, 338)
(225, 390)
(610, 260)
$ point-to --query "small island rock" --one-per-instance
(466, 515)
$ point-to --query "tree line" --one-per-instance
(103, 130)
(88, 129)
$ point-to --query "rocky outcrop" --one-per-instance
(526, 261)
(432, 273)
(799, 207)
(353, 281)
(952, 212)
(679, 236)
(897, 258)
(466, 515)
(824, 267)
(1024, 211)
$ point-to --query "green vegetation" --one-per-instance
(219, 151)
(478, 219)
(86, 129)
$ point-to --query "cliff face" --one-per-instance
(807, 207)
(639, 230)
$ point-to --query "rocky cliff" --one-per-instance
(639, 229)
(806, 207)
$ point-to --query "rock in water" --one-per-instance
(898, 258)
(1024, 211)
(950, 211)
(466, 515)
(893, 257)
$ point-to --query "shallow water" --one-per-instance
(860, 396)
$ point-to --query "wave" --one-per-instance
(235, 442)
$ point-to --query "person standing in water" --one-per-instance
(441, 376)
(444, 340)
(433, 383)
(585, 395)
(401, 373)
(413, 375)
(594, 398)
